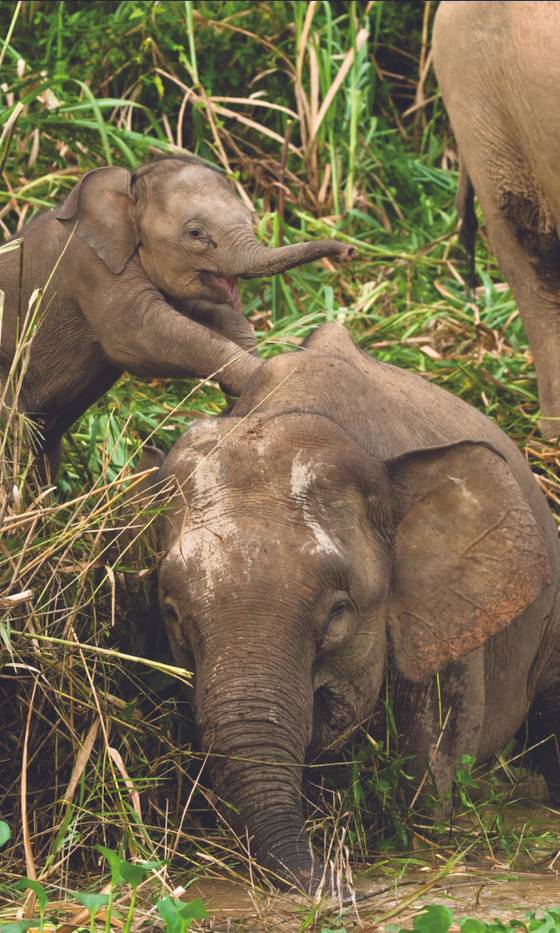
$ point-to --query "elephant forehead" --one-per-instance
(291, 470)
(190, 177)
(200, 188)
(230, 465)
(210, 556)
(232, 554)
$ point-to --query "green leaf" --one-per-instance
(167, 909)
(130, 872)
(104, 136)
(115, 863)
(332, 930)
(194, 910)
(134, 873)
(38, 890)
(435, 919)
(5, 833)
(547, 923)
(470, 925)
(92, 902)
(19, 926)
(179, 915)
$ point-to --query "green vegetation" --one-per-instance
(178, 915)
(327, 116)
(438, 919)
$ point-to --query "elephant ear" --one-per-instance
(469, 558)
(101, 204)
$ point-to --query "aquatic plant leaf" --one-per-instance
(5, 833)
(179, 915)
(19, 926)
(38, 891)
(92, 902)
(471, 925)
(435, 919)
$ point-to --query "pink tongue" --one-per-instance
(231, 284)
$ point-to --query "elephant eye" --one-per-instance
(337, 624)
(196, 233)
(170, 613)
(338, 608)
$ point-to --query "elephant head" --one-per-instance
(292, 555)
(193, 234)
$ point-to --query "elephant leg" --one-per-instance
(543, 739)
(439, 722)
(224, 320)
(530, 262)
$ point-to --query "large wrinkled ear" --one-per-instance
(469, 558)
(100, 203)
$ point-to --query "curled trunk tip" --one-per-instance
(348, 252)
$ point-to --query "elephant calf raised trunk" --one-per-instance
(265, 261)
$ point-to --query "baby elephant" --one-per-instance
(139, 273)
(344, 516)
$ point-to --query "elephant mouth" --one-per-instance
(227, 285)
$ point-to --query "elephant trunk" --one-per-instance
(258, 260)
(254, 716)
(266, 261)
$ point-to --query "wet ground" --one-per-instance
(378, 904)
(487, 889)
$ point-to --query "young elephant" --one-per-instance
(347, 512)
(498, 66)
(139, 270)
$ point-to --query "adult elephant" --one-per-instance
(498, 66)
(137, 272)
(344, 513)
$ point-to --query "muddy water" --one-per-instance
(378, 903)
(484, 896)
(486, 890)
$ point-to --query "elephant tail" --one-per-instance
(467, 215)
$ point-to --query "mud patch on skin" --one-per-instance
(303, 476)
(464, 489)
(534, 226)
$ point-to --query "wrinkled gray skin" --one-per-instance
(147, 284)
(344, 512)
(498, 66)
